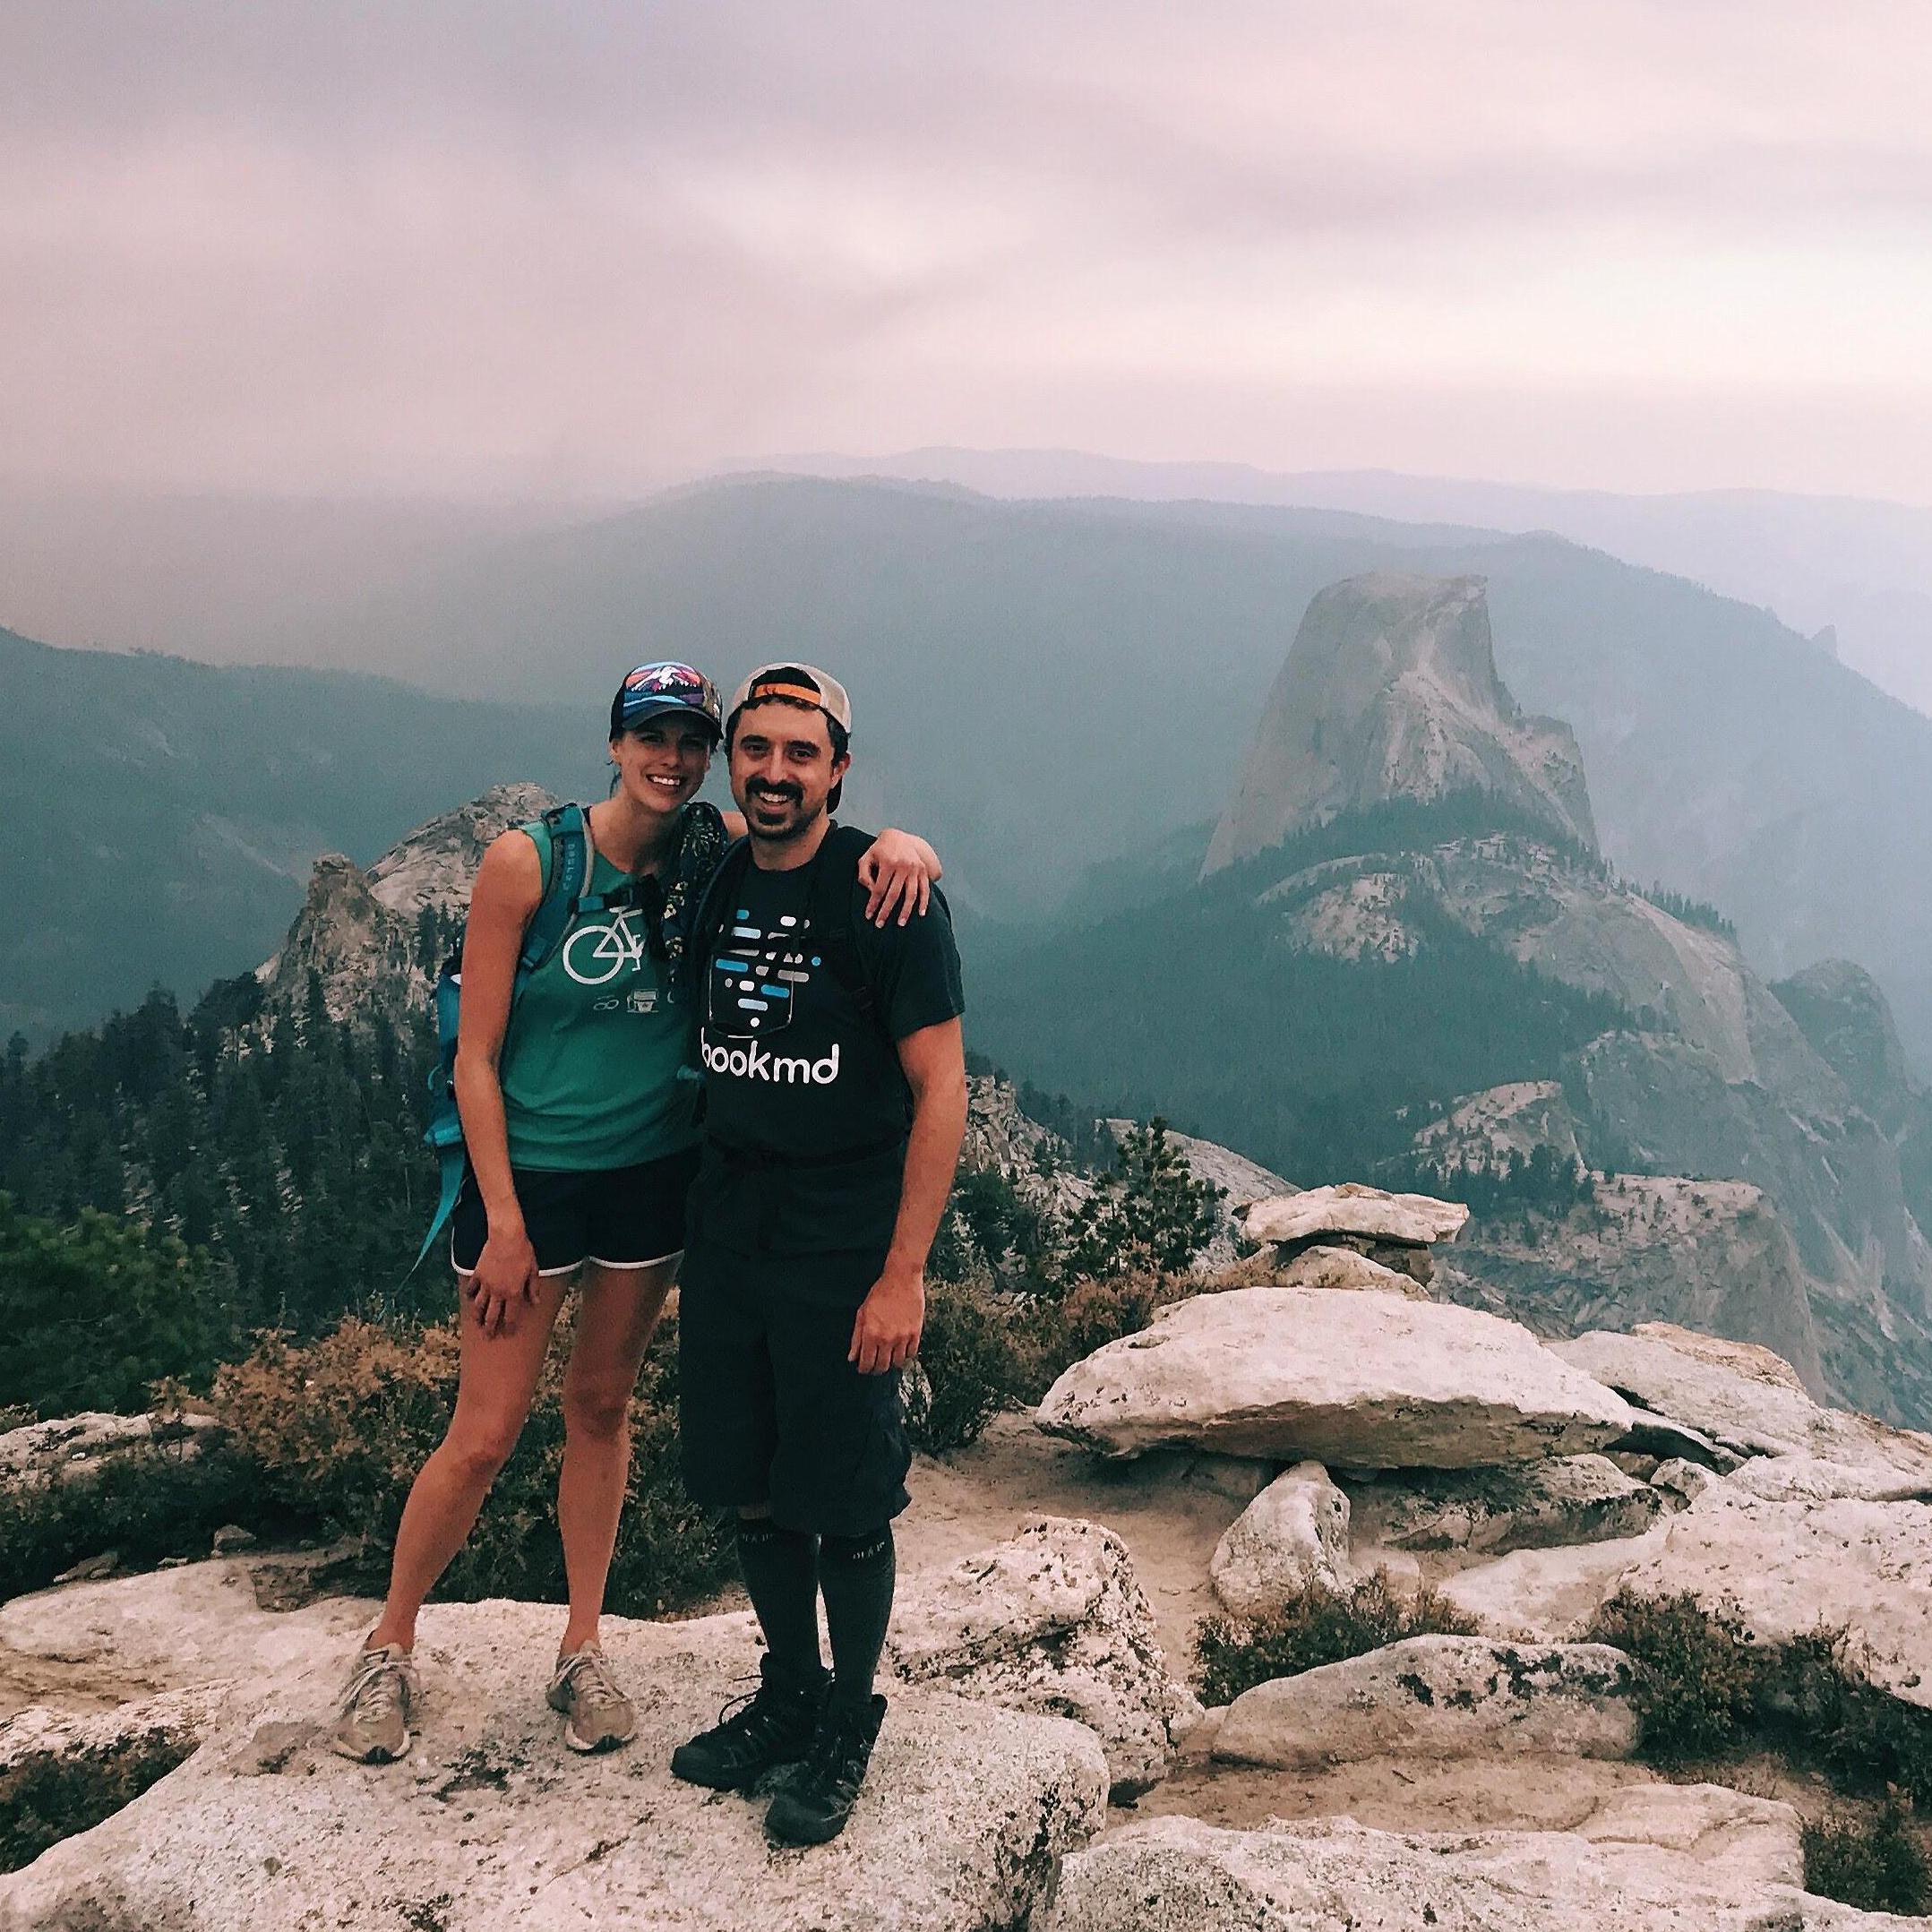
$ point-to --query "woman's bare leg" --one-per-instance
(497, 1380)
(616, 1315)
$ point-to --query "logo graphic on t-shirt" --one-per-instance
(754, 986)
(594, 955)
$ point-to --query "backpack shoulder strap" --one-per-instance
(713, 904)
(564, 851)
(835, 879)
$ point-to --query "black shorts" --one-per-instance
(619, 1217)
(772, 1410)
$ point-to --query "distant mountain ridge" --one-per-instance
(1859, 566)
(1042, 687)
(163, 816)
(1417, 958)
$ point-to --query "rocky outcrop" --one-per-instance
(1708, 1254)
(1703, 1863)
(1506, 1122)
(492, 1824)
(1293, 1535)
(1437, 1696)
(436, 864)
(1547, 1596)
(1365, 1381)
(1410, 1220)
(1051, 1621)
(1346, 1270)
(1525, 1505)
(1793, 1567)
(1390, 692)
(1743, 1398)
(78, 1444)
(374, 939)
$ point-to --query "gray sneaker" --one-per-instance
(596, 1715)
(372, 1726)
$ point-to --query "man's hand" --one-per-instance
(886, 1334)
(504, 1283)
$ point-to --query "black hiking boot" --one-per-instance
(813, 1808)
(770, 1726)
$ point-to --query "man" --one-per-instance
(836, 1101)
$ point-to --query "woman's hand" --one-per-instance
(897, 872)
(504, 1283)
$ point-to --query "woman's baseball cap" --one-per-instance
(653, 690)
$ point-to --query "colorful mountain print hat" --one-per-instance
(654, 689)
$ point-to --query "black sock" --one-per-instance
(856, 1574)
(781, 1578)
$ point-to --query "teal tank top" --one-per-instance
(590, 1064)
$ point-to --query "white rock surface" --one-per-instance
(1802, 1479)
(1365, 1381)
(1437, 1696)
(492, 1823)
(1333, 1874)
(1522, 1505)
(1051, 1621)
(1791, 1566)
(1294, 1533)
(1546, 1596)
(71, 1445)
(1348, 1270)
(1353, 1209)
(1742, 1397)
(1683, 1483)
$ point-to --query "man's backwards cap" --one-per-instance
(801, 684)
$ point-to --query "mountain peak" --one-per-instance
(1390, 692)
(436, 863)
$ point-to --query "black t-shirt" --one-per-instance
(798, 1072)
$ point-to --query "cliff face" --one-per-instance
(375, 940)
(1390, 692)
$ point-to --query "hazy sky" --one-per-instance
(585, 246)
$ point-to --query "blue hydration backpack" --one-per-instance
(566, 860)
(566, 866)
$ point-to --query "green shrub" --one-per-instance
(45, 1796)
(339, 1427)
(142, 1504)
(1058, 1331)
(1146, 1213)
(1700, 1681)
(1704, 1688)
(1875, 1864)
(970, 1367)
(99, 1311)
(1316, 1626)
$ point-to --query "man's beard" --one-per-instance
(782, 834)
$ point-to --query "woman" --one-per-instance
(579, 1125)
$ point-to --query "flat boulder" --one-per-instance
(1788, 1568)
(1817, 1478)
(1051, 1621)
(1437, 1696)
(490, 1822)
(1294, 1533)
(1365, 1381)
(1180, 1875)
(1518, 1505)
(1415, 1220)
(1741, 1396)
(1547, 1596)
(1348, 1271)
